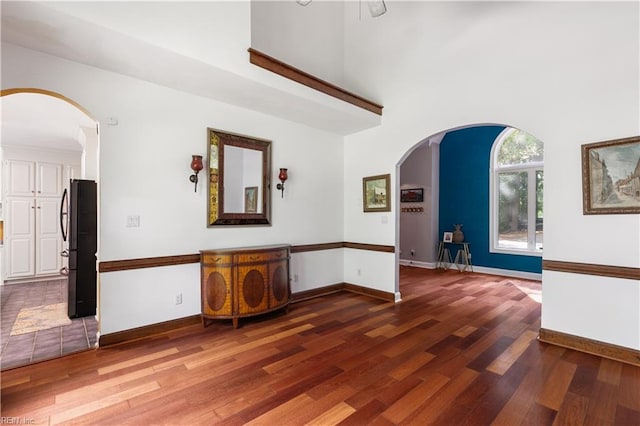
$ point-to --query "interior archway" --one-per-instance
(418, 225)
(44, 127)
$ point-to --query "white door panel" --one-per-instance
(49, 180)
(20, 238)
(48, 238)
(20, 178)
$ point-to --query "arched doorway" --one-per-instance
(47, 139)
(458, 188)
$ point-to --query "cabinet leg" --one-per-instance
(235, 323)
(205, 323)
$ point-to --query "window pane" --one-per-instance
(520, 148)
(512, 210)
(539, 209)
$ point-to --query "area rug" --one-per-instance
(40, 318)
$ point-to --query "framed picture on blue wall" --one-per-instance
(414, 195)
(611, 177)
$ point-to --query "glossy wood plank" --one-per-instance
(459, 349)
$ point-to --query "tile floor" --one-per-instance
(44, 344)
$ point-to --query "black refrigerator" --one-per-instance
(79, 225)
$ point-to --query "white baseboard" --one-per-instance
(417, 264)
(33, 279)
(508, 273)
(479, 269)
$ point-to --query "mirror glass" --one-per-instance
(239, 187)
(243, 180)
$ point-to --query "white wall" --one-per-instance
(222, 26)
(309, 37)
(416, 233)
(540, 67)
(566, 72)
(311, 270)
(144, 170)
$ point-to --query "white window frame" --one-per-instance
(494, 171)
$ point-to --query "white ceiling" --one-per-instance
(39, 27)
(42, 121)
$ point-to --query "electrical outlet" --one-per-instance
(359, 272)
(413, 252)
(179, 299)
(295, 278)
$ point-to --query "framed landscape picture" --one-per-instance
(611, 177)
(414, 195)
(375, 193)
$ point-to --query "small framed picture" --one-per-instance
(447, 237)
(250, 199)
(414, 195)
(375, 193)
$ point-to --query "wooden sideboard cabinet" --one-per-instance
(242, 282)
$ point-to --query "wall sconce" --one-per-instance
(283, 177)
(196, 166)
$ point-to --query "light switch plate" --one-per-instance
(133, 221)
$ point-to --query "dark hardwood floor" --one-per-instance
(459, 349)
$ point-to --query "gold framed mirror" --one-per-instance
(239, 179)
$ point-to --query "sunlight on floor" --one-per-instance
(534, 294)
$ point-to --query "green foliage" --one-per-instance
(512, 201)
(519, 148)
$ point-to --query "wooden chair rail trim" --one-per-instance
(162, 327)
(594, 347)
(370, 247)
(292, 73)
(592, 269)
(152, 262)
(316, 247)
(147, 262)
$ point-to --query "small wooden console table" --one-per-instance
(242, 282)
(462, 260)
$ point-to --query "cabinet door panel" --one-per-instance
(49, 180)
(252, 289)
(20, 238)
(48, 239)
(217, 291)
(279, 284)
(20, 178)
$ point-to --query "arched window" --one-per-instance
(517, 184)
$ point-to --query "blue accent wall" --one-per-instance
(465, 159)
